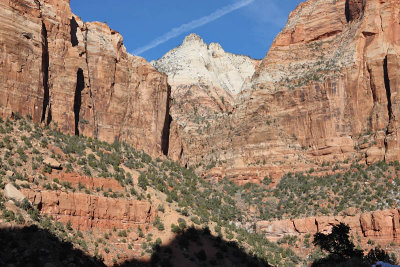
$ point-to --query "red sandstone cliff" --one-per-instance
(326, 91)
(86, 212)
(57, 68)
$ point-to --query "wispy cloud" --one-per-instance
(193, 25)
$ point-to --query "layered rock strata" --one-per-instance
(59, 69)
(382, 226)
(86, 212)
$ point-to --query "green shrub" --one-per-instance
(47, 169)
(175, 229)
(20, 219)
(158, 224)
(26, 205)
(68, 226)
(8, 215)
(143, 182)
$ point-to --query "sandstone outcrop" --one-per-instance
(88, 211)
(205, 81)
(382, 226)
(59, 69)
(195, 63)
(327, 90)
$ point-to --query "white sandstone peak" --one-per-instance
(196, 62)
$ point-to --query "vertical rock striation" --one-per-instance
(57, 68)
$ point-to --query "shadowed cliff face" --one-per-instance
(326, 91)
(354, 9)
(59, 69)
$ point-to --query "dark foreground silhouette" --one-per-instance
(342, 251)
(199, 248)
(32, 246)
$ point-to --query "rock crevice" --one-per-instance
(387, 88)
(80, 85)
(46, 118)
(74, 28)
(354, 9)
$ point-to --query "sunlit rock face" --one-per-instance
(205, 81)
(327, 90)
(86, 212)
(195, 62)
(57, 68)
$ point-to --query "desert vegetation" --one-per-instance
(366, 188)
(200, 205)
(220, 210)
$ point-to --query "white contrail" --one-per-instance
(192, 25)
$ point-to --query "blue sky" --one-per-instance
(245, 27)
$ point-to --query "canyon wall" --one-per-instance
(327, 91)
(59, 69)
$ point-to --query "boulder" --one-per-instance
(54, 164)
(374, 155)
(13, 193)
(305, 225)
